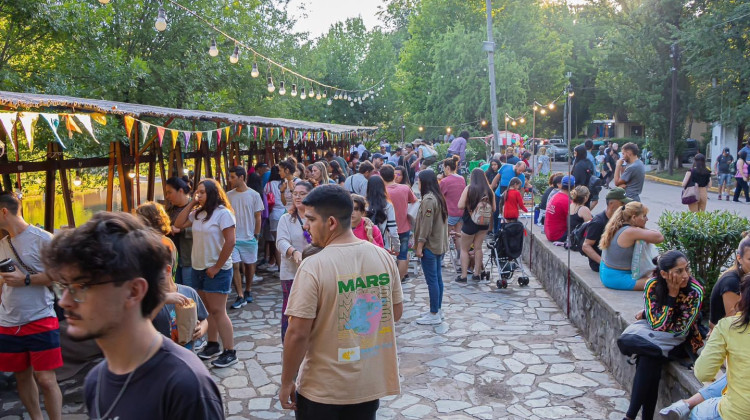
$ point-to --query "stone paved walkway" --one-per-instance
(499, 354)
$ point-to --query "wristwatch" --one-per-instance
(27, 282)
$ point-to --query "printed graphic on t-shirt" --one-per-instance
(364, 316)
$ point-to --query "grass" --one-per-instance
(679, 174)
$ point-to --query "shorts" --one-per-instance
(453, 220)
(245, 252)
(613, 278)
(36, 345)
(268, 234)
(471, 228)
(403, 252)
(221, 283)
(725, 179)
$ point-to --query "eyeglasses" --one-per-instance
(76, 290)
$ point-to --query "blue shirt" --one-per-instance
(508, 172)
(265, 178)
(590, 157)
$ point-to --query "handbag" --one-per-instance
(270, 197)
(412, 210)
(643, 259)
(640, 339)
(690, 193)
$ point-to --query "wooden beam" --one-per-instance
(153, 137)
(125, 184)
(151, 176)
(160, 157)
(67, 193)
(49, 190)
(111, 176)
(28, 167)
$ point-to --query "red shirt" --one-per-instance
(401, 195)
(556, 218)
(513, 202)
(360, 233)
(452, 186)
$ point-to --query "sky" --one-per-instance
(321, 14)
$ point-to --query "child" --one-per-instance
(165, 319)
(513, 200)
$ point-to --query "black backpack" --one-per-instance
(577, 237)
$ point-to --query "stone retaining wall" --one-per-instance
(600, 313)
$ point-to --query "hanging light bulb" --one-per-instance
(303, 95)
(254, 72)
(484, 123)
(213, 51)
(282, 88)
(318, 95)
(336, 95)
(513, 123)
(131, 174)
(351, 103)
(161, 20)
(325, 93)
(235, 57)
(371, 92)
(329, 102)
(421, 128)
(104, 1)
(294, 89)
(571, 94)
(543, 111)
(535, 107)
(522, 120)
(552, 105)
(77, 180)
(271, 87)
(448, 130)
(507, 119)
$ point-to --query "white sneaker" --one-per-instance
(429, 319)
(274, 268)
(257, 278)
(441, 313)
(677, 411)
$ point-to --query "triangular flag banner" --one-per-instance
(9, 120)
(238, 130)
(187, 139)
(174, 137)
(54, 122)
(199, 134)
(283, 132)
(160, 133)
(255, 132)
(28, 119)
(100, 118)
(209, 137)
(218, 137)
(144, 130)
(129, 121)
(85, 119)
(71, 125)
(226, 133)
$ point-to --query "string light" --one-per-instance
(421, 128)
(319, 95)
(294, 89)
(551, 106)
(484, 123)
(77, 180)
(522, 120)
(303, 94)
(254, 72)
(131, 174)
(235, 57)
(513, 123)
(325, 93)
(161, 20)
(271, 87)
(104, 1)
(213, 51)
(448, 130)
(543, 111)
(329, 102)
(282, 88)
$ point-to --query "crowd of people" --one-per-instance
(339, 234)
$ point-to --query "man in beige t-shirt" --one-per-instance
(342, 312)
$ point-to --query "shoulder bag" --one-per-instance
(641, 340)
(690, 193)
(58, 310)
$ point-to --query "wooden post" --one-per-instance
(205, 154)
(160, 157)
(67, 193)
(126, 184)
(151, 174)
(111, 176)
(49, 190)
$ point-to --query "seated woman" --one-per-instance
(364, 228)
(579, 213)
(555, 181)
(725, 298)
(673, 301)
(627, 225)
(729, 341)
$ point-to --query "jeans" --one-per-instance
(714, 389)
(286, 290)
(184, 275)
(741, 186)
(707, 410)
(311, 410)
(433, 275)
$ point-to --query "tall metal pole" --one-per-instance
(674, 53)
(489, 46)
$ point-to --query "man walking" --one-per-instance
(458, 146)
(357, 183)
(630, 172)
(109, 278)
(248, 207)
(341, 343)
(29, 331)
(723, 167)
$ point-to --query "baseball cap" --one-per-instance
(378, 156)
(418, 141)
(726, 149)
(569, 181)
(618, 194)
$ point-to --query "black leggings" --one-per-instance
(311, 410)
(741, 186)
(645, 387)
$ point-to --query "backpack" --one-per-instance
(482, 213)
(577, 237)
(639, 339)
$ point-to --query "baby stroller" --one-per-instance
(505, 251)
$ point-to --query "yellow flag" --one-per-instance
(174, 137)
(100, 118)
(129, 121)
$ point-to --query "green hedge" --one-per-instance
(709, 239)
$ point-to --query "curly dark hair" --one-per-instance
(113, 246)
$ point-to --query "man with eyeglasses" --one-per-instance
(109, 276)
(29, 330)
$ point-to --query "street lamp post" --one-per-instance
(489, 46)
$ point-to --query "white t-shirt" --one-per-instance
(208, 238)
(245, 205)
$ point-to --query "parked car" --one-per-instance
(689, 152)
(557, 151)
(556, 140)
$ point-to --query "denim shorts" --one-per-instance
(725, 179)
(453, 220)
(403, 252)
(245, 252)
(221, 283)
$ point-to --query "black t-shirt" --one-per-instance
(545, 197)
(725, 164)
(728, 282)
(173, 384)
(594, 232)
(700, 178)
(582, 172)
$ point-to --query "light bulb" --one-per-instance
(536, 107)
(282, 88)
(325, 93)
(271, 87)
(311, 93)
(336, 95)
(421, 128)
(484, 122)
(552, 105)
(329, 102)
(522, 120)
(351, 103)
(318, 96)
(571, 94)
(161, 20)
(294, 89)
(213, 51)
(235, 55)
(513, 123)
(131, 174)
(254, 72)
(448, 130)
(104, 1)
(77, 180)
(371, 92)
(507, 119)
(543, 111)
(303, 94)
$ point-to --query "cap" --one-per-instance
(726, 149)
(418, 141)
(569, 181)
(618, 194)
(378, 156)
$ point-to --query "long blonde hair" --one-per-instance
(623, 216)
(324, 180)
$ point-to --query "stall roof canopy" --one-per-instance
(33, 100)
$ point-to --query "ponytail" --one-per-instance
(623, 216)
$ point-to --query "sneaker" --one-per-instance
(405, 279)
(200, 344)
(429, 319)
(211, 350)
(257, 278)
(460, 279)
(441, 313)
(238, 303)
(273, 268)
(248, 297)
(228, 358)
(719, 197)
(677, 411)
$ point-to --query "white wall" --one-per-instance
(722, 137)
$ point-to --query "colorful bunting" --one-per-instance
(160, 134)
(71, 125)
(174, 133)
(187, 139)
(28, 120)
(9, 120)
(218, 137)
(85, 119)
(209, 137)
(54, 122)
(129, 121)
(100, 118)
(199, 135)
(144, 130)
